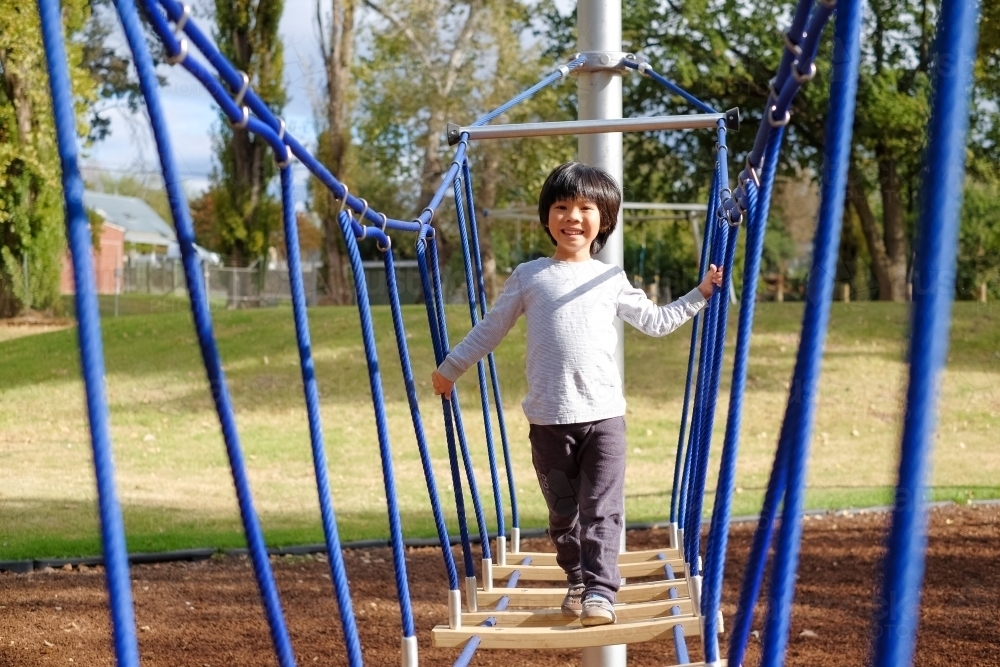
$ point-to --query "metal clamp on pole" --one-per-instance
(600, 61)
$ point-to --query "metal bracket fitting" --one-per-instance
(602, 61)
(733, 119)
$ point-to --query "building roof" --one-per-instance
(141, 223)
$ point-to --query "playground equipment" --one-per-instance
(687, 602)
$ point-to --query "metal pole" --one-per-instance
(599, 28)
(581, 127)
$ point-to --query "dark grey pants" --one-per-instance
(581, 469)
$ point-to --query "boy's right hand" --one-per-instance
(442, 385)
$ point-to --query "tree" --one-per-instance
(32, 238)
(411, 86)
(246, 215)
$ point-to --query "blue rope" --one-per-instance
(723, 252)
(418, 425)
(899, 599)
(699, 395)
(560, 73)
(719, 533)
(436, 325)
(91, 349)
(645, 69)
(840, 119)
(203, 325)
(381, 422)
(676, 493)
(456, 410)
(801, 46)
(680, 644)
(338, 573)
(480, 365)
(494, 377)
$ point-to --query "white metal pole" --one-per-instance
(599, 29)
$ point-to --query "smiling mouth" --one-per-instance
(572, 232)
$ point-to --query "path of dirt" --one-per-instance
(208, 614)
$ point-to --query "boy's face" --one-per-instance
(574, 224)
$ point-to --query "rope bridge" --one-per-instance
(686, 602)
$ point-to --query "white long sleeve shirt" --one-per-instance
(570, 308)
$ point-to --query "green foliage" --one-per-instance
(31, 212)
(979, 242)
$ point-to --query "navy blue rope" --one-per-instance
(456, 410)
(558, 74)
(840, 119)
(119, 583)
(430, 301)
(494, 377)
(934, 289)
(418, 424)
(694, 431)
(381, 423)
(645, 69)
(480, 365)
(203, 325)
(338, 573)
(719, 533)
(676, 492)
(707, 388)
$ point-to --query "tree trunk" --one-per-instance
(337, 56)
(893, 221)
(876, 247)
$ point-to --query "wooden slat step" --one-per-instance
(568, 636)
(549, 558)
(552, 597)
(533, 572)
(638, 611)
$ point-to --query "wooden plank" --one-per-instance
(567, 636)
(548, 558)
(638, 611)
(533, 572)
(552, 597)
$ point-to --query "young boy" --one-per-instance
(575, 406)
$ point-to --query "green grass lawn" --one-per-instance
(173, 477)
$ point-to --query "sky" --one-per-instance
(192, 113)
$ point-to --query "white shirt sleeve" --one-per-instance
(486, 335)
(634, 307)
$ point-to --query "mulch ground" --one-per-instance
(207, 613)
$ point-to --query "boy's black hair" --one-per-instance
(576, 180)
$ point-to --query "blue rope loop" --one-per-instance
(382, 425)
(113, 543)
(898, 603)
(484, 398)
(491, 358)
(206, 340)
(418, 425)
(338, 572)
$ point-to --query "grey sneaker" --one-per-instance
(572, 604)
(597, 610)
